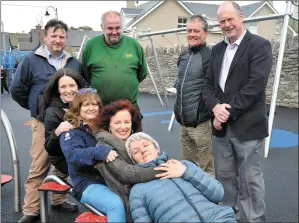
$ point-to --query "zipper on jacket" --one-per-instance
(182, 88)
(187, 199)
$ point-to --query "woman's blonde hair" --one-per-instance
(72, 115)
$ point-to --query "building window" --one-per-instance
(182, 22)
(253, 27)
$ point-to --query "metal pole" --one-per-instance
(15, 159)
(159, 69)
(44, 215)
(171, 122)
(81, 47)
(56, 13)
(277, 76)
(247, 20)
(150, 73)
(3, 36)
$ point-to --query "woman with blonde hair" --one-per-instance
(82, 153)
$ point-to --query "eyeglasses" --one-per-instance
(84, 90)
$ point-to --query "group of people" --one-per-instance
(87, 125)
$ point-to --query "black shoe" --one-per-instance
(29, 218)
(66, 206)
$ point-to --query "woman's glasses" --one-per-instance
(84, 90)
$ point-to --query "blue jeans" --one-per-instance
(106, 201)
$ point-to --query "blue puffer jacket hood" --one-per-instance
(191, 198)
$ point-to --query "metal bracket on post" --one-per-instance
(277, 75)
(15, 159)
(159, 69)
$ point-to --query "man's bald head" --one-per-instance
(230, 18)
(111, 14)
(229, 5)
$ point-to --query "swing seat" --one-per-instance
(5, 179)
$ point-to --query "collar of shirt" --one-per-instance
(49, 54)
(237, 42)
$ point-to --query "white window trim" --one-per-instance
(253, 27)
(181, 24)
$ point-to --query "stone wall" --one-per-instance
(288, 86)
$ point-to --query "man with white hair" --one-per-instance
(235, 91)
(185, 194)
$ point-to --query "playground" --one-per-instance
(280, 168)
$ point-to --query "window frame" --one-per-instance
(182, 24)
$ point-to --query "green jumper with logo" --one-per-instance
(116, 70)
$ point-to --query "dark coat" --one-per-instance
(81, 153)
(52, 118)
(121, 173)
(31, 77)
(190, 109)
(244, 88)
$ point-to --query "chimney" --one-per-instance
(131, 4)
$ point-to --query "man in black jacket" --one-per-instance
(235, 92)
(27, 88)
(189, 109)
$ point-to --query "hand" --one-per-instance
(63, 127)
(217, 124)
(111, 156)
(172, 168)
(221, 113)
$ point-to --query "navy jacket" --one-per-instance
(31, 77)
(81, 153)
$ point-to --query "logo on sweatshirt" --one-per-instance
(67, 136)
(129, 55)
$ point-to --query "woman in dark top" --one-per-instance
(61, 90)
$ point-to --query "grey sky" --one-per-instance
(18, 16)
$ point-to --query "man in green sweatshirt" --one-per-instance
(115, 62)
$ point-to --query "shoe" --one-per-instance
(66, 206)
(29, 218)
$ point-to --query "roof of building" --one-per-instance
(145, 8)
(75, 38)
(132, 11)
(210, 10)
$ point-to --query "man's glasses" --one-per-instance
(84, 90)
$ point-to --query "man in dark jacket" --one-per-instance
(235, 92)
(27, 88)
(189, 109)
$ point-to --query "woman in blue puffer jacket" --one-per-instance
(185, 193)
